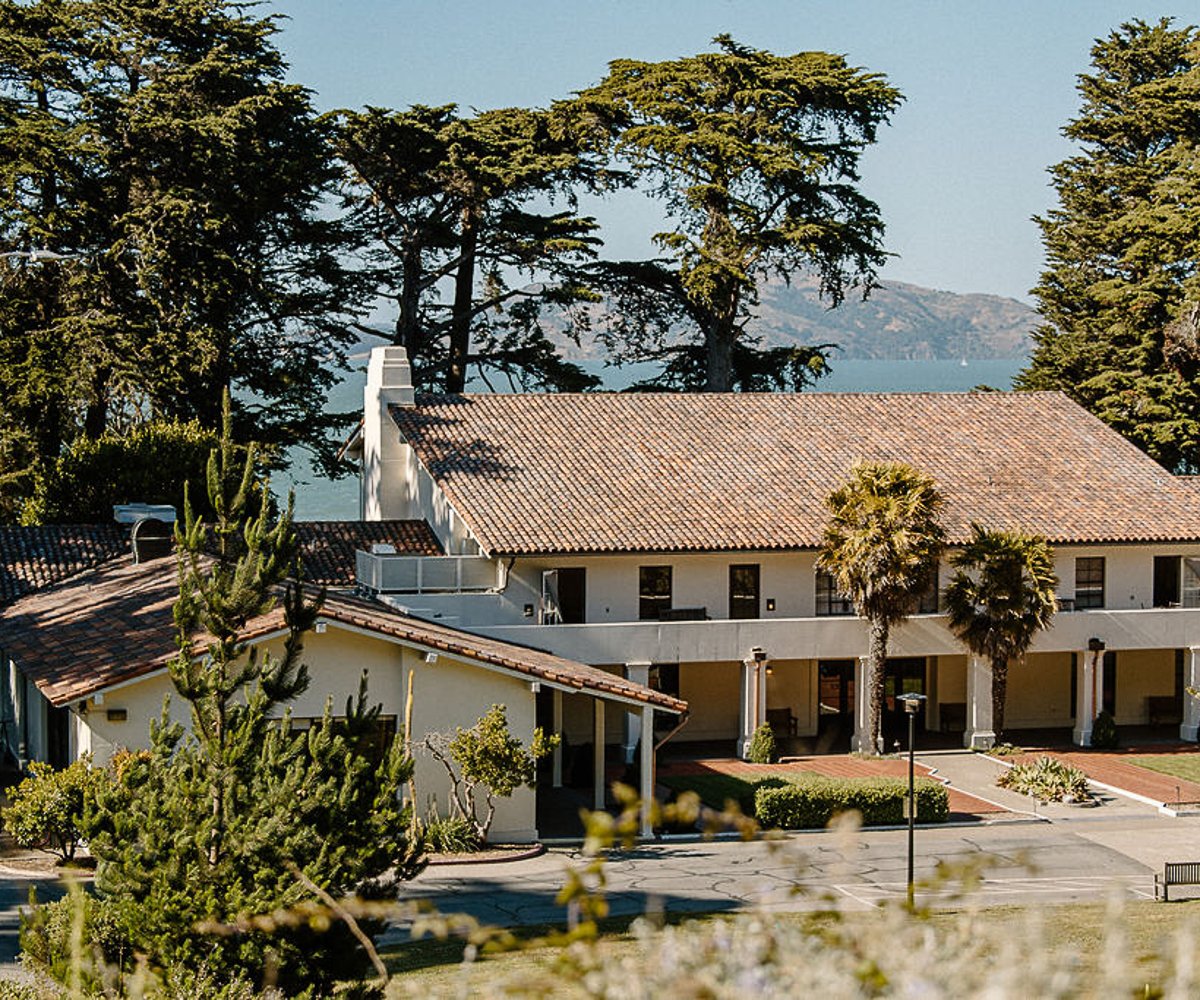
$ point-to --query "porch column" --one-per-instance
(747, 707)
(861, 740)
(639, 673)
(646, 768)
(557, 724)
(1189, 729)
(979, 734)
(1085, 696)
(597, 753)
(760, 705)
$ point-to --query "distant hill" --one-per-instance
(898, 322)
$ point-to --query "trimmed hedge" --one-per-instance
(812, 802)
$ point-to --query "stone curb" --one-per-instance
(534, 851)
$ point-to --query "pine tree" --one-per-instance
(202, 829)
(1120, 290)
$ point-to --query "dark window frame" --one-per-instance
(652, 602)
(745, 602)
(1090, 582)
(829, 602)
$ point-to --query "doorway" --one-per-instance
(904, 675)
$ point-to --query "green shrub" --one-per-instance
(812, 802)
(451, 835)
(1104, 732)
(762, 746)
(48, 807)
(1047, 780)
(48, 939)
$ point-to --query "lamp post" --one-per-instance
(912, 705)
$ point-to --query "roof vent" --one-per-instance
(152, 539)
(131, 513)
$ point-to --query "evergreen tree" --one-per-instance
(454, 212)
(881, 546)
(755, 157)
(1120, 291)
(155, 147)
(199, 833)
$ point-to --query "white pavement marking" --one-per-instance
(873, 893)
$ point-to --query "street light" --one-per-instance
(912, 705)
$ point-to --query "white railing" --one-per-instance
(399, 574)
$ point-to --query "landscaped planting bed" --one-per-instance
(810, 801)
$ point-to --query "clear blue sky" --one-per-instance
(957, 175)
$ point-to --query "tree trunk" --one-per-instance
(999, 694)
(464, 294)
(877, 663)
(408, 323)
(718, 358)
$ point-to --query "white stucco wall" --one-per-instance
(447, 693)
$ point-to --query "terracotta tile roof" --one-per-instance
(115, 624)
(33, 558)
(328, 547)
(669, 473)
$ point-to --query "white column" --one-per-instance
(646, 769)
(557, 723)
(747, 707)
(861, 740)
(1189, 729)
(1085, 696)
(639, 673)
(597, 753)
(760, 705)
(979, 734)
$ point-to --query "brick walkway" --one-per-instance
(1110, 767)
(962, 805)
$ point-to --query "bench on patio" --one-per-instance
(1175, 873)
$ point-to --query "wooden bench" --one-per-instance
(1175, 873)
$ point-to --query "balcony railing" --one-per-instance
(400, 574)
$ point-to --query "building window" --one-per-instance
(743, 591)
(1089, 582)
(654, 592)
(372, 739)
(829, 601)
(927, 600)
(664, 678)
(1191, 582)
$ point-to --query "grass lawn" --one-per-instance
(714, 789)
(1179, 765)
(433, 968)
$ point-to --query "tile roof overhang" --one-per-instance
(114, 625)
(328, 548)
(633, 473)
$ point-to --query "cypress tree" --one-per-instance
(1120, 287)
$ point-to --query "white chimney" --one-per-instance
(385, 456)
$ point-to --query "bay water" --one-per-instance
(320, 499)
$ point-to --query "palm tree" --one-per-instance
(1001, 594)
(881, 545)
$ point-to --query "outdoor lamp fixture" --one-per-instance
(758, 654)
(1095, 645)
(912, 705)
